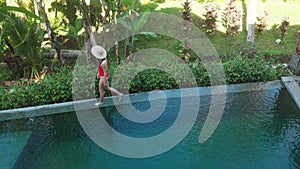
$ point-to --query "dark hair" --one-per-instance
(101, 60)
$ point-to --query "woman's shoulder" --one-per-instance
(104, 63)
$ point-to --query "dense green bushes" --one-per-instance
(243, 69)
(239, 69)
(166, 74)
(57, 87)
(240, 62)
(152, 79)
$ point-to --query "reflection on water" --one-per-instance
(258, 130)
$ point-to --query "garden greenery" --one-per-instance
(57, 86)
(261, 24)
(231, 18)
(211, 16)
(23, 54)
(283, 27)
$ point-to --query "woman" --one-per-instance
(100, 54)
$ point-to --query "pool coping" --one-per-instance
(28, 112)
(293, 88)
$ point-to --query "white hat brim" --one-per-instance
(99, 52)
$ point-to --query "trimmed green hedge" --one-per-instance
(57, 87)
(166, 74)
(245, 70)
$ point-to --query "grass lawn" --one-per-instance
(265, 43)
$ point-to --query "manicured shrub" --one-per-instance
(231, 18)
(261, 23)
(240, 69)
(55, 88)
(146, 79)
(200, 73)
(211, 15)
(243, 70)
(85, 84)
(152, 79)
(186, 15)
(58, 86)
(283, 27)
(245, 49)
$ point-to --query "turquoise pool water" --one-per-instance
(259, 129)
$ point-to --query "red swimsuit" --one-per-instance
(101, 71)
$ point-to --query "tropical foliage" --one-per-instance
(231, 18)
(27, 30)
(211, 16)
(20, 42)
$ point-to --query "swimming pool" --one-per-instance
(259, 129)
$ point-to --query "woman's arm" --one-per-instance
(105, 70)
(104, 66)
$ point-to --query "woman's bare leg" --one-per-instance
(116, 92)
(113, 90)
(101, 92)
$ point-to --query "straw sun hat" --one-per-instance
(99, 52)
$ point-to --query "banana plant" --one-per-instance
(20, 41)
(134, 23)
(4, 8)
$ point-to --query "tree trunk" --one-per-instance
(117, 49)
(251, 22)
(116, 38)
(71, 14)
(87, 25)
(244, 23)
(14, 63)
(50, 31)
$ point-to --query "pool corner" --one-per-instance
(292, 85)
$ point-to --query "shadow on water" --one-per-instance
(46, 131)
(289, 128)
(39, 137)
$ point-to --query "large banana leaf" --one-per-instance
(140, 21)
(134, 25)
(25, 38)
(4, 8)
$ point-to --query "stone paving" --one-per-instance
(292, 85)
(297, 79)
